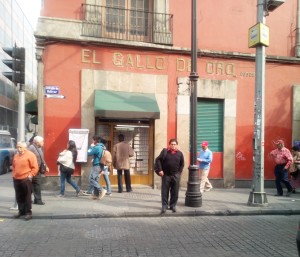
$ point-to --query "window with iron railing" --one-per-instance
(127, 20)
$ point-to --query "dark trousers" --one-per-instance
(36, 188)
(281, 175)
(23, 195)
(127, 181)
(169, 184)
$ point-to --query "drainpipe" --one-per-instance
(297, 49)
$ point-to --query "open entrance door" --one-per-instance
(139, 134)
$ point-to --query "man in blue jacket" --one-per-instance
(95, 150)
(205, 158)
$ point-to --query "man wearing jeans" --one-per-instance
(205, 158)
(283, 160)
(95, 150)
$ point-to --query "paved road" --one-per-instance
(209, 236)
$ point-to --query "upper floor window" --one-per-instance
(127, 20)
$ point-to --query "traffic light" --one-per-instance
(16, 64)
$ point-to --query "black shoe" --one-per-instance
(163, 210)
(173, 209)
(278, 194)
(288, 193)
(17, 216)
(28, 217)
(294, 191)
(128, 191)
(39, 203)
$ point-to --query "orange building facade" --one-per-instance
(124, 66)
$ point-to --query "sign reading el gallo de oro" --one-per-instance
(157, 62)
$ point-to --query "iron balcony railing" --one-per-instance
(126, 24)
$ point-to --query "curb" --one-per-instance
(157, 214)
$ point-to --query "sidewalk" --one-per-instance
(145, 202)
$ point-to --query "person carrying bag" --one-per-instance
(66, 167)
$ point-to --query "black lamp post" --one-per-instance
(193, 196)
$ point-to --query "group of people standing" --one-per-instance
(27, 165)
(169, 165)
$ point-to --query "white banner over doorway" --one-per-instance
(81, 138)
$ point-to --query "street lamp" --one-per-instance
(259, 38)
(193, 195)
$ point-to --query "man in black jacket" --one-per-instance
(169, 165)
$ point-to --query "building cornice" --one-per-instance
(55, 30)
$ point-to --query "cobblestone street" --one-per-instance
(166, 236)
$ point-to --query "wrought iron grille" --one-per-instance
(126, 24)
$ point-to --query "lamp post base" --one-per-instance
(193, 196)
(258, 199)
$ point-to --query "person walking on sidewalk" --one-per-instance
(205, 158)
(121, 153)
(95, 150)
(25, 167)
(169, 165)
(36, 148)
(66, 166)
(106, 167)
(283, 160)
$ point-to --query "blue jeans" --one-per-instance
(63, 177)
(281, 175)
(106, 178)
(94, 179)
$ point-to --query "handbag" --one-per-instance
(65, 169)
(43, 166)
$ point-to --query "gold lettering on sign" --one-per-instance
(160, 63)
(94, 58)
(117, 59)
(86, 55)
(180, 64)
(129, 60)
(230, 69)
(138, 60)
(209, 67)
(220, 68)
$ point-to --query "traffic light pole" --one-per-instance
(257, 196)
(21, 114)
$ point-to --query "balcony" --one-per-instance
(126, 24)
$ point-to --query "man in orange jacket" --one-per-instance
(25, 167)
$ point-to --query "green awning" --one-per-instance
(128, 105)
(31, 107)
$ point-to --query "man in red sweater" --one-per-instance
(25, 167)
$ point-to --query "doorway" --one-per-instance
(138, 134)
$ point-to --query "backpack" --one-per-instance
(156, 167)
(106, 158)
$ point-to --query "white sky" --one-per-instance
(31, 8)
